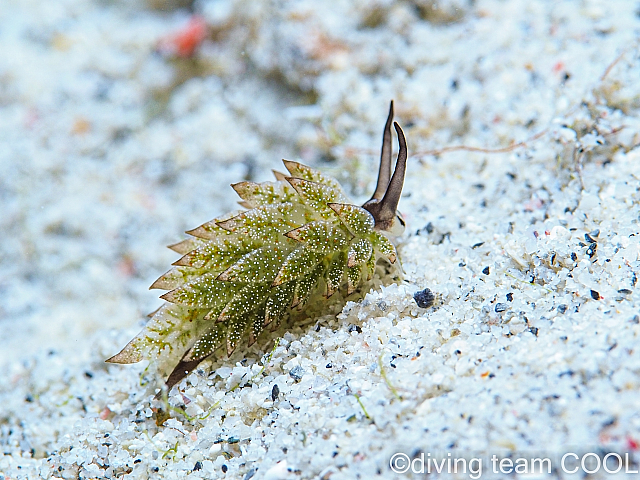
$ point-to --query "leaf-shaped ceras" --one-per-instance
(299, 241)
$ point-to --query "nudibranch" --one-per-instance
(299, 241)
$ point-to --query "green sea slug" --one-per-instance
(299, 242)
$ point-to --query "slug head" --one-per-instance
(383, 204)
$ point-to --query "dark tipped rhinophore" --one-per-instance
(384, 173)
(383, 204)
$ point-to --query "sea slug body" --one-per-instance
(299, 241)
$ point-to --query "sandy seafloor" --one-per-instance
(110, 148)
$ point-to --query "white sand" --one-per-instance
(110, 150)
